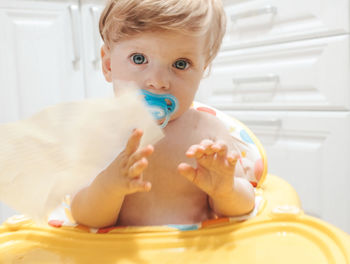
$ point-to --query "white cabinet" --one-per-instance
(39, 62)
(262, 22)
(95, 84)
(49, 53)
(308, 149)
(304, 75)
(284, 70)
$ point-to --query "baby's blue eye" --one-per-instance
(181, 64)
(138, 59)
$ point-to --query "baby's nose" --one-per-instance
(158, 79)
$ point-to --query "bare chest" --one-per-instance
(172, 199)
(169, 153)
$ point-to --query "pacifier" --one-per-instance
(161, 105)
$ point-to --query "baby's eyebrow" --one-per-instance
(135, 47)
(189, 51)
(193, 56)
(185, 51)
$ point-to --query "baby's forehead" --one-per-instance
(164, 41)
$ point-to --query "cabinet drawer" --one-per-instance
(302, 75)
(258, 22)
(311, 151)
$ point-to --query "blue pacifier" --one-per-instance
(161, 105)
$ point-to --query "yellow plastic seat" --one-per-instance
(280, 233)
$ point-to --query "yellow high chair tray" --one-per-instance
(277, 231)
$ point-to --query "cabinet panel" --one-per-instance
(95, 83)
(303, 75)
(40, 58)
(261, 22)
(311, 151)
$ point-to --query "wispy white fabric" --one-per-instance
(62, 148)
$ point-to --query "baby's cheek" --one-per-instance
(182, 107)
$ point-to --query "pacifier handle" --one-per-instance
(160, 101)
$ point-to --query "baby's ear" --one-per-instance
(206, 71)
(106, 62)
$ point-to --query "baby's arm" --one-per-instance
(99, 204)
(228, 195)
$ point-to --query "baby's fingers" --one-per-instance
(133, 142)
(137, 168)
(138, 155)
(220, 148)
(232, 158)
(195, 151)
(138, 185)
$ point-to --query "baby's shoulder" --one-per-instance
(205, 121)
(208, 116)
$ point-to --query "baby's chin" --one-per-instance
(179, 113)
(161, 121)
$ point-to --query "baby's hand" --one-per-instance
(215, 167)
(125, 174)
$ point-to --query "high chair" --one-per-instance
(277, 231)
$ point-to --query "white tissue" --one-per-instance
(62, 148)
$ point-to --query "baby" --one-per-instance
(192, 174)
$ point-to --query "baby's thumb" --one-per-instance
(193, 175)
(187, 171)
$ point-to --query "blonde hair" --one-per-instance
(122, 18)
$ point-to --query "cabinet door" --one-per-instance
(40, 57)
(261, 22)
(40, 60)
(95, 83)
(301, 75)
(311, 151)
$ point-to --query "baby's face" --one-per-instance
(160, 62)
